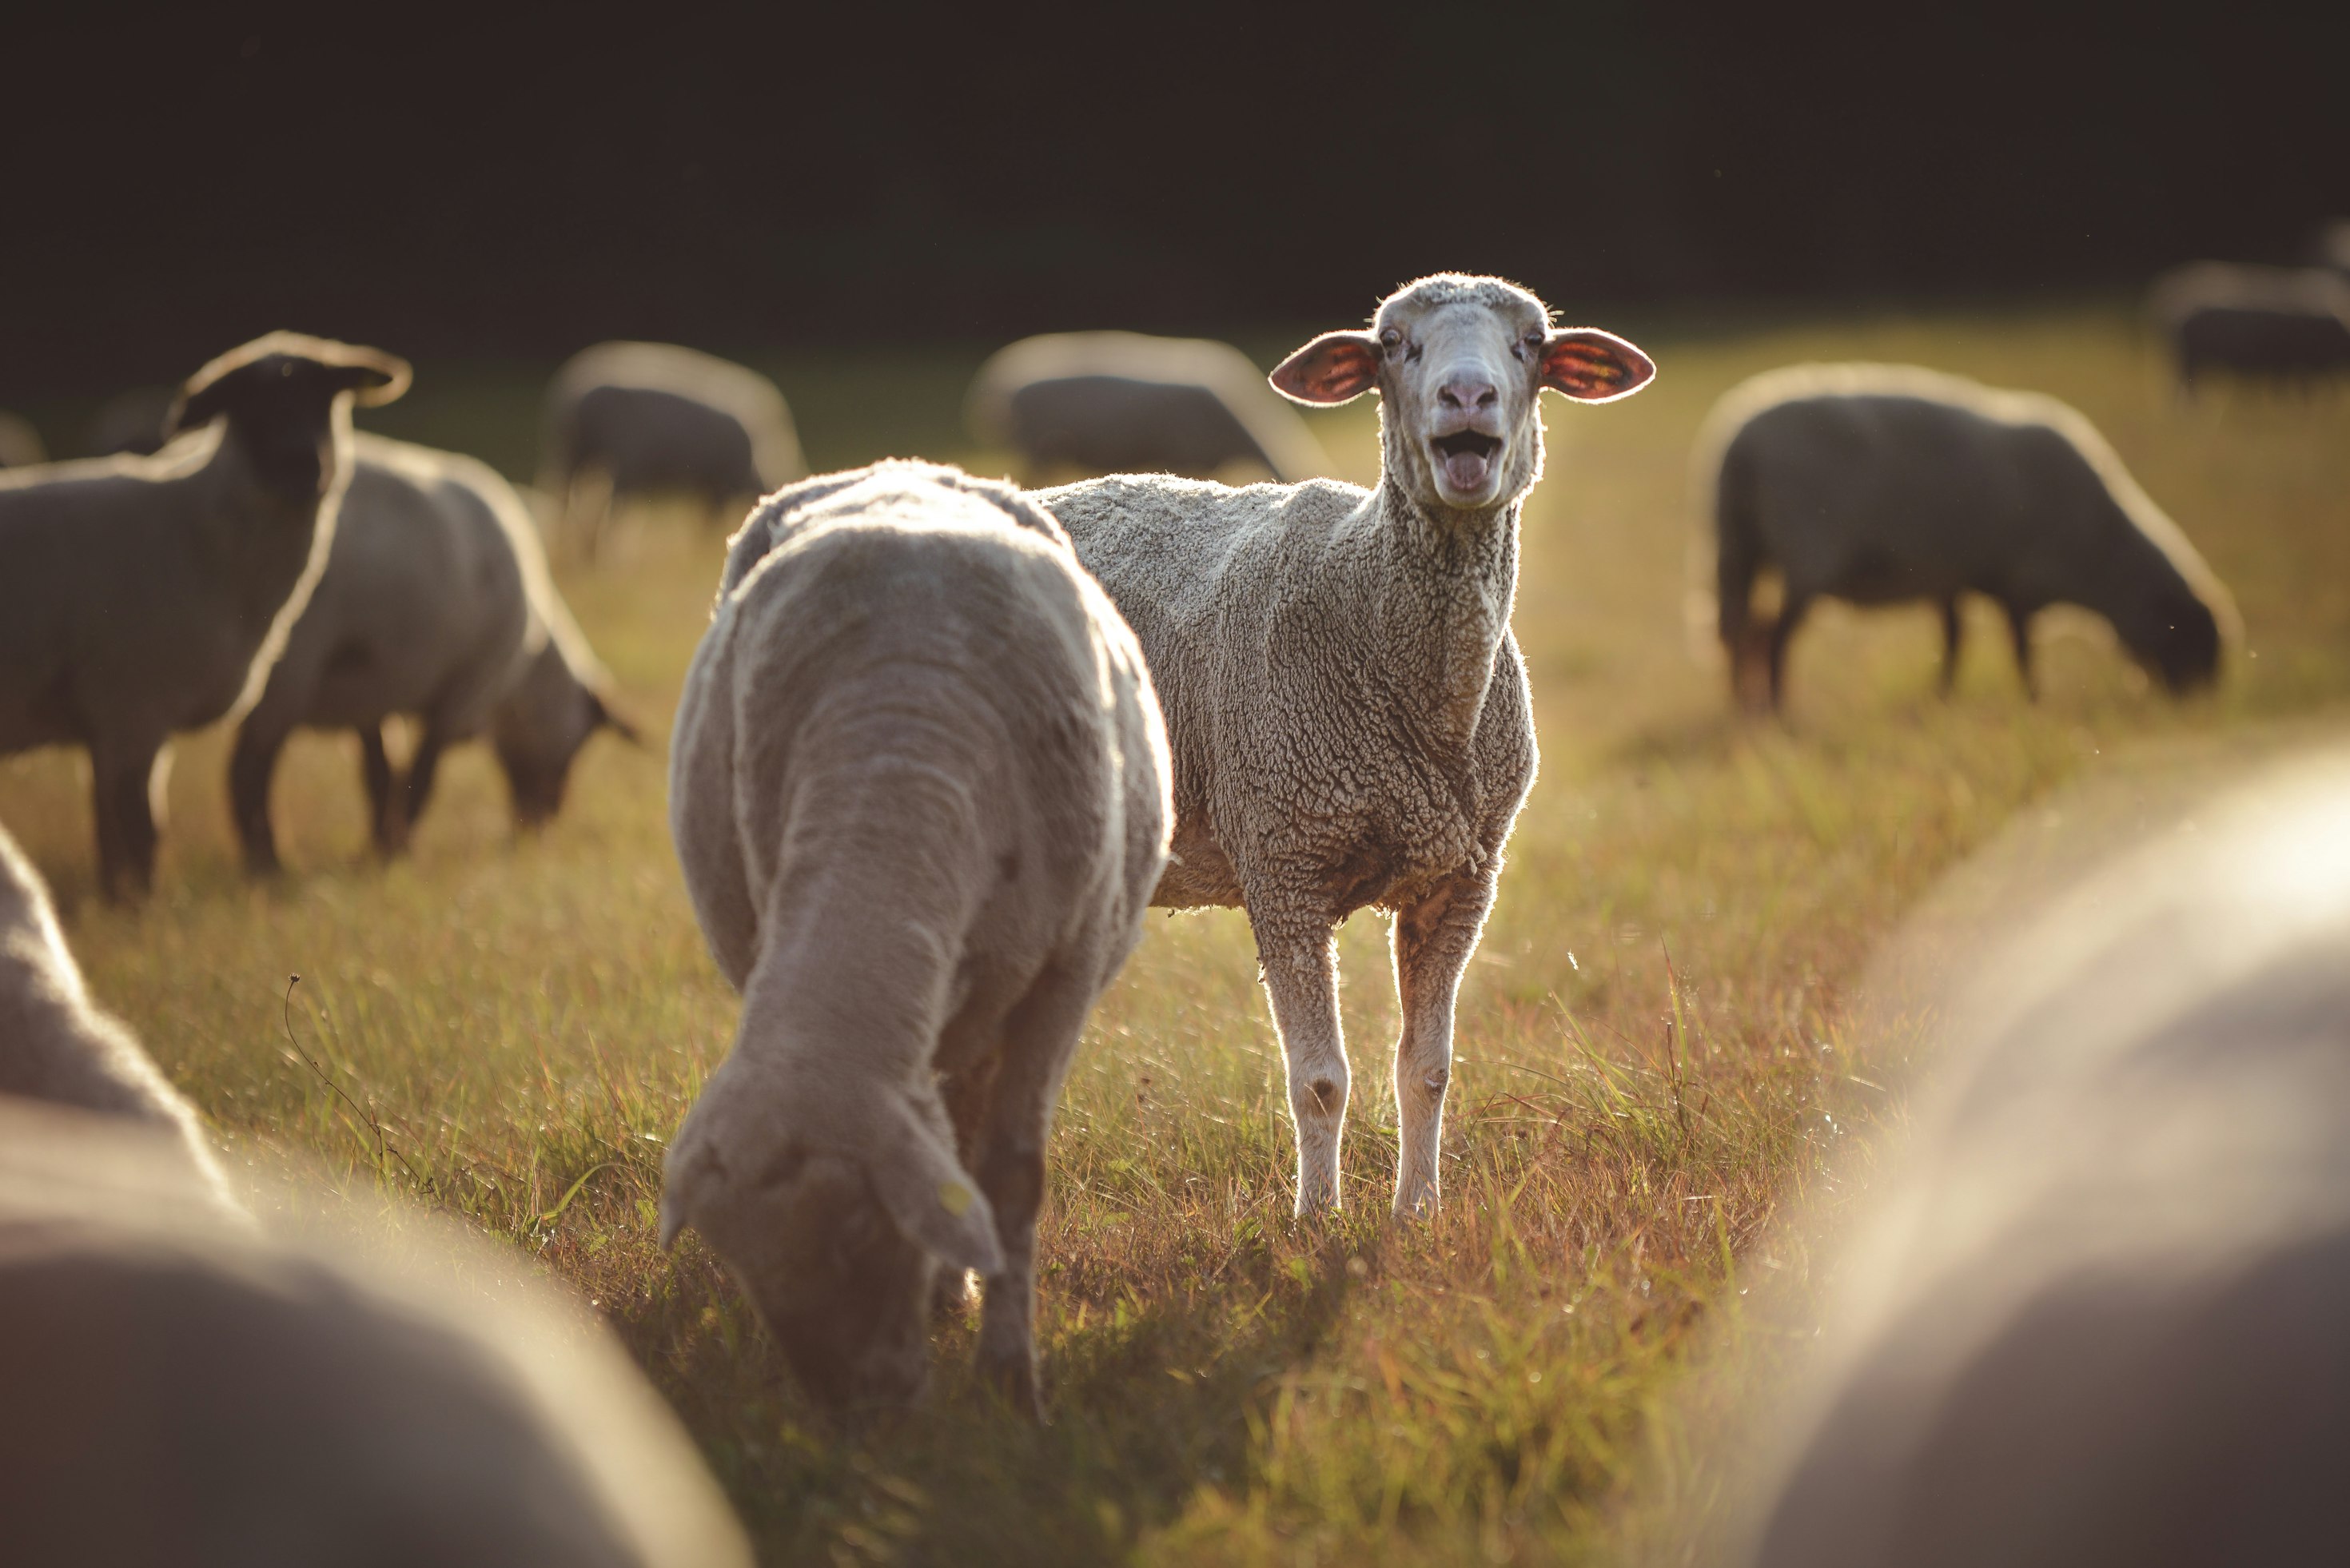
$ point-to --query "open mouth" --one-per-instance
(1467, 457)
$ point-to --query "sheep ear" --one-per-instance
(1593, 366)
(193, 411)
(934, 1201)
(376, 378)
(1336, 367)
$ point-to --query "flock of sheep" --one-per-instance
(942, 743)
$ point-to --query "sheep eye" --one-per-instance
(1390, 337)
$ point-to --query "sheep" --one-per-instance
(920, 791)
(141, 597)
(58, 1046)
(331, 1387)
(629, 419)
(20, 443)
(137, 421)
(435, 602)
(2333, 245)
(1347, 705)
(2289, 324)
(2098, 1318)
(1885, 484)
(1120, 402)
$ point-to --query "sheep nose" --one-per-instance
(1469, 393)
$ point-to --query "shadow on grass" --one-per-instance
(1149, 1402)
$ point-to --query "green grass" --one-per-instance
(1660, 1043)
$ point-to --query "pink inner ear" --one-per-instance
(1333, 368)
(1592, 366)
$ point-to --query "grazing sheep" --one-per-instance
(1347, 706)
(1120, 402)
(56, 1045)
(919, 788)
(2287, 324)
(137, 421)
(20, 443)
(141, 597)
(185, 1392)
(2098, 1319)
(629, 419)
(436, 603)
(1884, 483)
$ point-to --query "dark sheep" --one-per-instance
(2288, 325)
(2098, 1318)
(1887, 483)
(1120, 402)
(633, 420)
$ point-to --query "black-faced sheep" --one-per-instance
(1346, 704)
(631, 419)
(2099, 1317)
(142, 596)
(59, 1047)
(1888, 483)
(329, 1388)
(920, 790)
(1120, 402)
(436, 602)
(2276, 324)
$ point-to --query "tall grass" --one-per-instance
(1658, 1044)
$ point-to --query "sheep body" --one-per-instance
(58, 1046)
(1122, 403)
(643, 419)
(342, 1389)
(2278, 323)
(20, 443)
(142, 596)
(435, 602)
(918, 787)
(1347, 706)
(2097, 1316)
(1885, 484)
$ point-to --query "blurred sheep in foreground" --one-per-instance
(920, 790)
(2100, 1316)
(436, 602)
(141, 596)
(183, 1393)
(2278, 323)
(20, 443)
(1347, 705)
(626, 420)
(1888, 483)
(1120, 402)
(58, 1046)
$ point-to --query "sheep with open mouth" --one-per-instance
(1347, 706)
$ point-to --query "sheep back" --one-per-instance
(659, 418)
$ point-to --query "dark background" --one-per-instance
(515, 182)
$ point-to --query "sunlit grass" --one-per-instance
(1659, 1039)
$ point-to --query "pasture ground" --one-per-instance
(1659, 1039)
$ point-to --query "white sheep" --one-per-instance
(1347, 706)
(436, 602)
(1884, 483)
(920, 790)
(58, 1046)
(332, 1389)
(625, 420)
(2098, 1314)
(141, 596)
(1121, 402)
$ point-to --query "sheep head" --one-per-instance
(835, 1215)
(1459, 364)
(285, 396)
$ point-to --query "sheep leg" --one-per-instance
(1299, 957)
(1782, 631)
(421, 769)
(387, 824)
(1039, 1037)
(1953, 632)
(1431, 940)
(251, 766)
(2019, 632)
(125, 784)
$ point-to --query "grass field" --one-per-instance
(1659, 1037)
